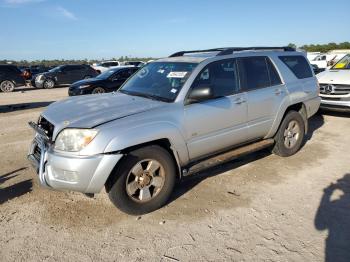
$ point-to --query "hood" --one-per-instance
(93, 110)
(339, 77)
(87, 82)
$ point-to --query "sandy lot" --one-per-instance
(258, 208)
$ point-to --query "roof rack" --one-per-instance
(231, 50)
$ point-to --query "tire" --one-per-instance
(128, 192)
(7, 86)
(290, 135)
(98, 90)
(48, 84)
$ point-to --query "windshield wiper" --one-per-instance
(153, 97)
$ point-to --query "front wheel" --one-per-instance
(144, 181)
(48, 84)
(290, 135)
(98, 90)
(7, 86)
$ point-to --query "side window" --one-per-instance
(274, 76)
(221, 76)
(253, 72)
(298, 65)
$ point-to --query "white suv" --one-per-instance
(335, 86)
(103, 66)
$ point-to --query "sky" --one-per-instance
(79, 29)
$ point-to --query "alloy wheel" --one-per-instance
(145, 180)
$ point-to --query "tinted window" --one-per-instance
(253, 73)
(298, 65)
(124, 74)
(274, 76)
(221, 76)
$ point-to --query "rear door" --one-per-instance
(218, 123)
(265, 93)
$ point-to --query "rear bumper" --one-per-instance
(86, 174)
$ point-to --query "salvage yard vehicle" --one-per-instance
(64, 75)
(108, 81)
(335, 86)
(10, 78)
(171, 119)
(103, 66)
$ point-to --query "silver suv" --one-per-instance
(172, 118)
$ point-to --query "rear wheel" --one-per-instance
(144, 181)
(48, 84)
(98, 90)
(7, 86)
(290, 135)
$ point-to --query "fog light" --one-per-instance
(65, 175)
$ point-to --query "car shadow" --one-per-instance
(23, 106)
(333, 214)
(188, 183)
(334, 113)
(14, 190)
(315, 122)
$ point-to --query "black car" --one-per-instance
(316, 69)
(108, 81)
(10, 77)
(64, 75)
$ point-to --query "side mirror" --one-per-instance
(199, 94)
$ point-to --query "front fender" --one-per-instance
(150, 132)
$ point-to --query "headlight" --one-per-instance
(39, 77)
(74, 140)
(83, 86)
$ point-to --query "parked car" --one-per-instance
(172, 118)
(64, 75)
(10, 78)
(103, 66)
(335, 86)
(135, 63)
(316, 69)
(108, 81)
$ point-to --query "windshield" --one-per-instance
(55, 69)
(106, 74)
(343, 63)
(159, 80)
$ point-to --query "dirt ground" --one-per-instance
(257, 208)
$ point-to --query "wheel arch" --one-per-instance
(163, 142)
(298, 107)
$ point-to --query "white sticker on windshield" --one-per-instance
(176, 75)
(173, 91)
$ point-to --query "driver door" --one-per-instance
(218, 123)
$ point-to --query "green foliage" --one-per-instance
(323, 48)
(309, 48)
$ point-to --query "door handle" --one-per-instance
(278, 91)
(239, 101)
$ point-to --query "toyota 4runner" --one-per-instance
(174, 117)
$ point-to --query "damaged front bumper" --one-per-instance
(86, 174)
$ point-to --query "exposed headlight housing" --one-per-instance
(83, 86)
(74, 140)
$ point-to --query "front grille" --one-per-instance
(37, 153)
(46, 126)
(329, 89)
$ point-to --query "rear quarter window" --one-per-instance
(298, 65)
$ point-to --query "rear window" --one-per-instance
(298, 65)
